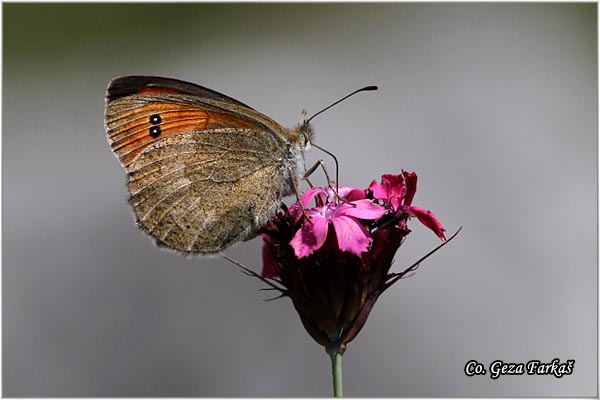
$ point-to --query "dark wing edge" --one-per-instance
(130, 85)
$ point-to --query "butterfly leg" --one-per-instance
(312, 170)
(321, 164)
(337, 168)
(294, 184)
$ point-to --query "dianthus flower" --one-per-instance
(333, 260)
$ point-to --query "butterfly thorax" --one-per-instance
(293, 165)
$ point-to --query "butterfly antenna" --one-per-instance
(364, 89)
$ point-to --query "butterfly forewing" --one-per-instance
(204, 170)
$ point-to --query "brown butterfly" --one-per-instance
(203, 170)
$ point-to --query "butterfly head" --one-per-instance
(306, 133)
(305, 130)
(302, 134)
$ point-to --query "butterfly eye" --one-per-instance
(155, 119)
(307, 132)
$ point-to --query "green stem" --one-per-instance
(336, 371)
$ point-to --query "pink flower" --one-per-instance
(397, 191)
(335, 266)
(344, 218)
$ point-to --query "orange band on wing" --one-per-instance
(157, 91)
(131, 132)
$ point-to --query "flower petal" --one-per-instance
(427, 218)
(310, 194)
(410, 179)
(350, 193)
(396, 189)
(379, 191)
(363, 209)
(295, 212)
(310, 236)
(351, 235)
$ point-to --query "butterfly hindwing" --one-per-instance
(197, 192)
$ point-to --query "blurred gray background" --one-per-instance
(494, 106)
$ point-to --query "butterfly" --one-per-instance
(203, 170)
